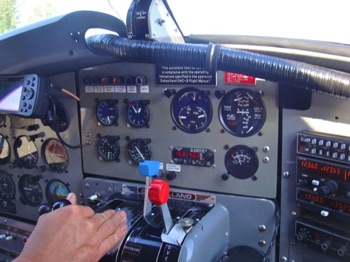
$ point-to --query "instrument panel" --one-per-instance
(36, 166)
(212, 135)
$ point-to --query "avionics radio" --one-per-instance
(323, 187)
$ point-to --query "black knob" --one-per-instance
(328, 188)
(170, 175)
(44, 208)
(225, 177)
(60, 203)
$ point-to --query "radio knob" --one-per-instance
(328, 188)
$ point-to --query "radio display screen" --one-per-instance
(10, 95)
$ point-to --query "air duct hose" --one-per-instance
(215, 57)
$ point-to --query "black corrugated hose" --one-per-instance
(215, 57)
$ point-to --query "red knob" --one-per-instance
(158, 192)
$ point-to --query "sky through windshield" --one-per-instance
(305, 19)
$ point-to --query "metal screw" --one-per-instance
(262, 228)
(87, 185)
(262, 242)
(266, 149)
(283, 259)
(286, 174)
(266, 160)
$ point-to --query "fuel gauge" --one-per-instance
(107, 112)
(241, 161)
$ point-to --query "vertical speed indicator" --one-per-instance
(242, 112)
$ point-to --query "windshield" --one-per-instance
(300, 19)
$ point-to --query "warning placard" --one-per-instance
(184, 75)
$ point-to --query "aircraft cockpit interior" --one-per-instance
(216, 147)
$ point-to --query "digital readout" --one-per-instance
(324, 169)
(330, 203)
(193, 156)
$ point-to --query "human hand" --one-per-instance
(74, 233)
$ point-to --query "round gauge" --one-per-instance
(55, 155)
(191, 110)
(7, 186)
(107, 112)
(56, 190)
(138, 150)
(108, 148)
(242, 112)
(137, 113)
(26, 152)
(5, 150)
(241, 161)
(30, 190)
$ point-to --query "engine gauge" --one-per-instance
(5, 150)
(191, 110)
(242, 112)
(137, 113)
(56, 190)
(108, 148)
(138, 150)
(26, 152)
(55, 155)
(241, 161)
(30, 190)
(107, 112)
(7, 186)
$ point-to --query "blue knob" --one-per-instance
(149, 168)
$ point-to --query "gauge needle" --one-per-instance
(138, 151)
(201, 116)
(134, 109)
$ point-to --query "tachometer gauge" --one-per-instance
(108, 148)
(7, 186)
(137, 113)
(55, 155)
(5, 150)
(56, 190)
(138, 150)
(191, 110)
(26, 152)
(30, 190)
(241, 161)
(107, 112)
(242, 112)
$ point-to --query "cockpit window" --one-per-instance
(300, 19)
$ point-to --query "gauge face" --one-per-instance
(7, 186)
(55, 155)
(138, 150)
(107, 112)
(191, 110)
(5, 150)
(242, 112)
(137, 114)
(26, 152)
(241, 161)
(56, 190)
(30, 190)
(108, 148)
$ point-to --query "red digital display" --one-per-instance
(323, 169)
(193, 156)
(330, 203)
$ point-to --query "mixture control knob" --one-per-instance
(328, 188)
(158, 194)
